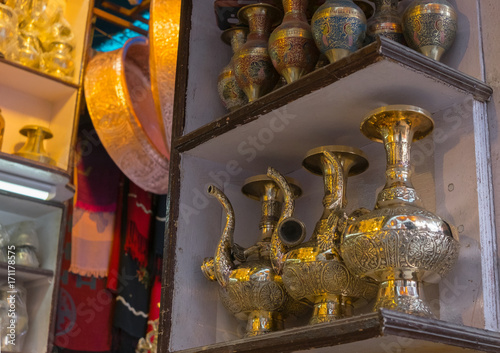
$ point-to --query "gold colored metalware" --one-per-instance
(249, 287)
(430, 27)
(339, 28)
(164, 38)
(33, 148)
(253, 68)
(122, 109)
(314, 271)
(400, 244)
(386, 21)
(291, 44)
(231, 95)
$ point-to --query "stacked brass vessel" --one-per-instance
(336, 30)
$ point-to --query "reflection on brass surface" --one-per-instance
(399, 244)
(230, 93)
(33, 148)
(164, 38)
(249, 287)
(291, 44)
(430, 27)
(121, 106)
(314, 271)
(253, 68)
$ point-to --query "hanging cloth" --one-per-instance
(97, 184)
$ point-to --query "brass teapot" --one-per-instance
(314, 270)
(249, 286)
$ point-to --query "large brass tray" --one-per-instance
(121, 106)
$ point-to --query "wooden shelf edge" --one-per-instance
(382, 49)
(363, 327)
(31, 271)
(39, 73)
(34, 164)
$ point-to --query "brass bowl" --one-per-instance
(122, 109)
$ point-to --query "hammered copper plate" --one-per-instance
(163, 34)
(121, 105)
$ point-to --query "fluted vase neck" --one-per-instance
(397, 139)
(383, 5)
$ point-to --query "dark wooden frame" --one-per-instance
(382, 323)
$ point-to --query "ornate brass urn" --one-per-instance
(400, 244)
(314, 271)
(249, 286)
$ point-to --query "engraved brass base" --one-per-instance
(261, 322)
(403, 295)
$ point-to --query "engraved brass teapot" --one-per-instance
(249, 286)
(314, 270)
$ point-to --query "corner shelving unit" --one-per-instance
(28, 96)
(451, 173)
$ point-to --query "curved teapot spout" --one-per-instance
(223, 262)
(332, 222)
(297, 229)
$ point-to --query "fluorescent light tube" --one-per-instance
(24, 190)
(20, 185)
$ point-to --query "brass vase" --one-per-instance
(249, 287)
(314, 271)
(430, 27)
(291, 44)
(253, 68)
(231, 95)
(339, 28)
(33, 148)
(386, 21)
(400, 244)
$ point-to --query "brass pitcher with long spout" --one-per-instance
(314, 271)
(249, 287)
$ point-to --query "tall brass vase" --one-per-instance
(231, 95)
(314, 271)
(253, 68)
(430, 27)
(400, 244)
(339, 28)
(249, 287)
(386, 21)
(33, 148)
(291, 45)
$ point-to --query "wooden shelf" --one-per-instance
(34, 82)
(26, 274)
(381, 332)
(341, 93)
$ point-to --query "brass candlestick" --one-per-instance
(33, 148)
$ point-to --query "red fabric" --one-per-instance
(139, 224)
(84, 308)
(114, 262)
(97, 183)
